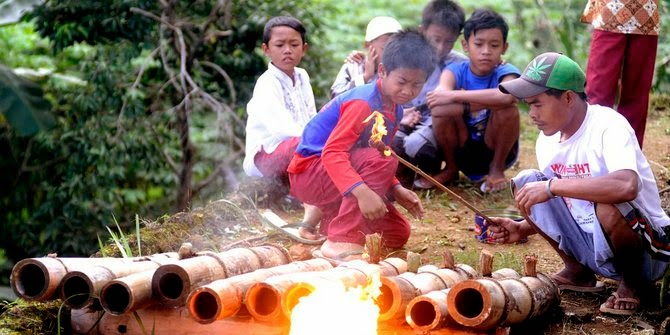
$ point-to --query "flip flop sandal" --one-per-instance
(618, 311)
(290, 230)
(340, 258)
(565, 285)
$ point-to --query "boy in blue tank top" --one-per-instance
(477, 126)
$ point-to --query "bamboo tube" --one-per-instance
(127, 293)
(398, 291)
(270, 300)
(40, 278)
(172, 283)
(484, 303)
(429, 311)
(81, 288)
(224, 297)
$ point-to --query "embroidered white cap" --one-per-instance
(381, 25)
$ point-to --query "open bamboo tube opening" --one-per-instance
(386, 268)
(41, 278)
(128, 293)
(172, 283)
(224, 298)
(488, 303)
(397, 292)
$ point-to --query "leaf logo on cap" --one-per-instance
(536, 69)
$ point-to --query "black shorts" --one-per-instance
(475, 157)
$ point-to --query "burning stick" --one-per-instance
(378, 132)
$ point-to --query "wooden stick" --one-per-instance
(440, 186)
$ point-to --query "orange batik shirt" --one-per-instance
(623, 16)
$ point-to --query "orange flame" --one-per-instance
(378, 132)
(335, 309)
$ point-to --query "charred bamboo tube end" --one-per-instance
(35, 280)
(396, 293)
(263, 302)
(428, 311)
(476, 303)
(205, 305)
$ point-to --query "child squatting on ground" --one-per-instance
(476, 125)
(352, 183)
(281, 105)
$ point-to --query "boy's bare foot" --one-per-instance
(311, 220)
(309, 232)
(445, 176)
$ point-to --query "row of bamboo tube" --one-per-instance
(215, 286)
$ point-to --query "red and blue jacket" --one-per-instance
(338, 128)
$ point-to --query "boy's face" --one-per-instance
(402, 84)
(285, 48)
(485, 48)
(441, 38)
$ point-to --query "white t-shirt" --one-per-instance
(604, 143)
(277, 110)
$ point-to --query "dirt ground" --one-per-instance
(450, 225)
(447, 225)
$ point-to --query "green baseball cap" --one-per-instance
(548, 70)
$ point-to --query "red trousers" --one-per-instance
(342, 220)
(274, 164)
(622, 65)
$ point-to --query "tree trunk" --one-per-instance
(188, 152)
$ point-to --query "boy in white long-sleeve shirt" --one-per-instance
(281, 106)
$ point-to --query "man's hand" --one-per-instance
(372, 206)
(505, 230)
(531, 194)
(408, 200)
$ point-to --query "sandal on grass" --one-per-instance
(614, 300)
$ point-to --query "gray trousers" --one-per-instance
(590, 249)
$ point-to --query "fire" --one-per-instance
(335, 309)
(378, 132)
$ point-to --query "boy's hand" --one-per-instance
(372, 206)
(408, 200)
(355, 57)
(410, 117)
(439, 96)
(504, 230)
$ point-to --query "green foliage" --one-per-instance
(115, 145)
